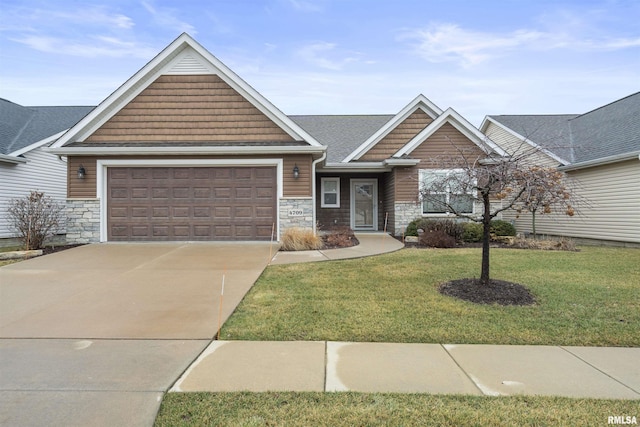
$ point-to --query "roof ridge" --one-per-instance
(606, 105)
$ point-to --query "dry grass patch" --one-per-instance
(300, 239)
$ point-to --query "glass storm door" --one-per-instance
(364, 204)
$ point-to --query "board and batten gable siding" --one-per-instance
(43, 172)
(398, 137)
(446, 141)
(193, 108)
(514, 145)
(86, 188)
(611, 211)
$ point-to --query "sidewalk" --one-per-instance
(370, 244)
(491, 370)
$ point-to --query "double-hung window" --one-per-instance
(444, 190)
(330, 192)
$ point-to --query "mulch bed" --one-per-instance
(496, 292)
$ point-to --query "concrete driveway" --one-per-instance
(94, 335)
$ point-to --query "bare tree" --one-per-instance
(465, 179)
(35, 217)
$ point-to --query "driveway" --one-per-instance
(94, 335)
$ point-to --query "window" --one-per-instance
(443, 189)
(330, 192)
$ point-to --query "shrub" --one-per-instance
(35, 217)
(412, 228)
(547, 245)
(300, 239)
(472, 232)
(502, 228)
(339, 237)
(437, 239)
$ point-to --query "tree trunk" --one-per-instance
(486, 237)
(533, 223)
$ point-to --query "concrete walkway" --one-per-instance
(491, 370)
(370, 244)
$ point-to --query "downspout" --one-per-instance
(313, 187)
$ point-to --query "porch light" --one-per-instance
(81, 172)
(296, 172)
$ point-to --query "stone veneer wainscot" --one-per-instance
(83, 220)
(405, 212)
(304, 221)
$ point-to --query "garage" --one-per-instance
(191, 203)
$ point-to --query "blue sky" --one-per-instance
(337, 56)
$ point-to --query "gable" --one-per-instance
(189, 108)
(398, 137)
(446, 141)
(174, 92)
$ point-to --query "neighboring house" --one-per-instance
(25, 165)
(599, 151)
(187, 150)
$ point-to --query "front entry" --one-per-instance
(364, 204)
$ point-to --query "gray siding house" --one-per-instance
(600, 152)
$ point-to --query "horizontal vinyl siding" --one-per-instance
(43, 172)
(611, 211)
(515, 146)
(86, 188)
(200, 108)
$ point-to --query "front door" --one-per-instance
(364, 204)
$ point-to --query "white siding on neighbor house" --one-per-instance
(513, 145)
(43, 172)
(612, 194)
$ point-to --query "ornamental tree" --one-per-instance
(480, 187)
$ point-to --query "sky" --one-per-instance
(337, 56)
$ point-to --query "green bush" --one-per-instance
(472, 232)
(412, 228)
(502, 228)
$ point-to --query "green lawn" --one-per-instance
(587, 298)
(360, 409)
(590, 297)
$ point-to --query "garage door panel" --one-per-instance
(191, 203)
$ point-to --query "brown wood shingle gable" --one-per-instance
(398, 137)
(189, 108)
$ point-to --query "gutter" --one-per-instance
(173, 150)
(601, 161)
(12, 159)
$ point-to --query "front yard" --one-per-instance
(586, 298)
(589, 298)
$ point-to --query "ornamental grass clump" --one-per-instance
(300, 239)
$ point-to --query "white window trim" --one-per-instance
(421, 173)
(322, 192)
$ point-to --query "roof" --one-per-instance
(607, 131)
(342, 133)
(610, 130)
(22, 126)
(183, 56)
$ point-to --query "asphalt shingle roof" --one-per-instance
(341, 134)
(609, 130)
(22, 126)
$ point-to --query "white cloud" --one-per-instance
(167, 18)
(320, 55)
(97, 46)
(305, 5)
(447, 42)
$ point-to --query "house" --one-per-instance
(25, 165)
(600, 153)
(187, 150)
